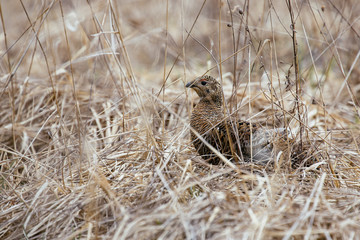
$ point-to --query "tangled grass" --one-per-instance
(94, 119)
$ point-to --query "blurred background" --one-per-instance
(97, 44)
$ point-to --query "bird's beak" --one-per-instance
(191, 84)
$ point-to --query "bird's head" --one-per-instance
(207, 88)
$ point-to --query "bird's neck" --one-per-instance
(213, 101)
(208, 110)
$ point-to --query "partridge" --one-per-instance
(233, 139)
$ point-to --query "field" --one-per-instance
(94, 119)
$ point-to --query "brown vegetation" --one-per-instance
(94, 124)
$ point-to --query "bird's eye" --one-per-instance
(203, 83)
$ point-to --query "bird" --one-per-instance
(234, 139)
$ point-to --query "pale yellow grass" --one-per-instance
(94, 134)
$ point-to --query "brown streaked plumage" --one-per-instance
(248, 141)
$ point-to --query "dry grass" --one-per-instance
(94, 119)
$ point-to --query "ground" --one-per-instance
(94, 124)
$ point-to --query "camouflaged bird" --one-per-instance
(233, 139)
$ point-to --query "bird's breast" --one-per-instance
(205, 117)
